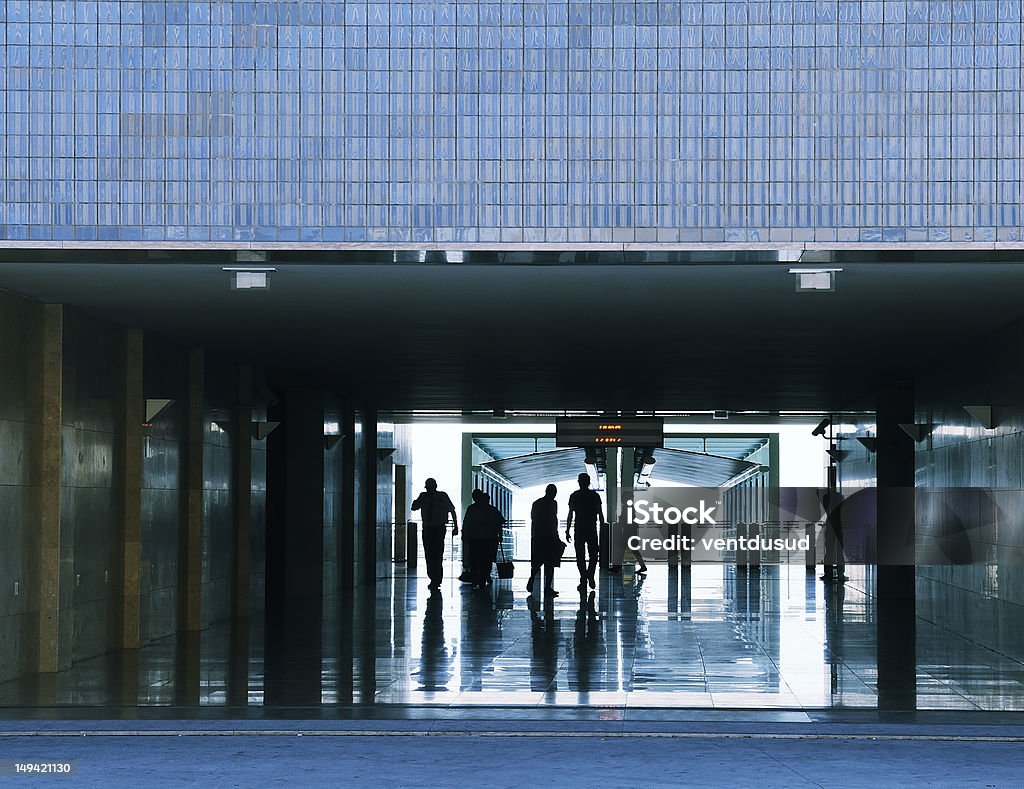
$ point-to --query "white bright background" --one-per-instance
(437, 453)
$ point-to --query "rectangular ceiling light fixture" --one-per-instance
(249, 277)
(815, 279)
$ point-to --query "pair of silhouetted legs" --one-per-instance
(549, 578)
(586, 547)
(481, 557)
(433, 552)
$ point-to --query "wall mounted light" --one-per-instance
(918, 432)
(868, 442)
(154, 407)
(263, 429)
(984, 415)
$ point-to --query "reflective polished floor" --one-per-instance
(703, 637)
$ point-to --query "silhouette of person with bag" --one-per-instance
(545, 546)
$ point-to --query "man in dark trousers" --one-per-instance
(435, 506)
(585, 505)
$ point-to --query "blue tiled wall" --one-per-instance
(503, 121)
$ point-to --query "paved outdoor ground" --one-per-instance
(500, 760)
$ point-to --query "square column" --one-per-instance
(295, 499)
(896, 586)
(131, 490)
(53, 654)
(190, 549)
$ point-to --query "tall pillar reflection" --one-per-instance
(186, 668)
(293, 656)
(124, 676)
(365, 636)
(238, 663)
(345, 648)
(834, 652)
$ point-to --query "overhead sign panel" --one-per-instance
(632, 431)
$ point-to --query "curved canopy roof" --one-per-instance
(677, 466)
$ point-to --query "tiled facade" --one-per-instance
(571, 122)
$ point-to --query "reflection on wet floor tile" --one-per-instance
(700, 638)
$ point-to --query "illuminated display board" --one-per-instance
(634, 431)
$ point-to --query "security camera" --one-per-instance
(823, 425)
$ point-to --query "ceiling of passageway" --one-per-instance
(675, 466)
(720, 336)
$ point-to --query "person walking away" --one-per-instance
(585, 506)
(436, 506)
(481, 532)
(545, 546)
(466, 576)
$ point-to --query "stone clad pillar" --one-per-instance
(366, 529)
(347, 524)
(52, 654)
(896, 588)
(190, 559)
(242, 488)
(295, 499)
(130, 482)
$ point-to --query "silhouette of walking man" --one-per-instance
(436, 507)
(585, 505)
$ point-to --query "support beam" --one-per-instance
(51, 655)
(134, 414)
(295, 501)
(617, 548)
(241, 449)
(401, 513)
(366, 528)
(896, 587)
(611, 485)
(346, 533)
(468, 461)
(190, 560)
(304, 494)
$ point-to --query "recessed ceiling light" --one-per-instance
(815, 279)
(249, 277)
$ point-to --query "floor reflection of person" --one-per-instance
(835, 561)
(587, 647)
(435, 506)
(435, 663)
(481, 639)
(835, 600)
(545, 637)
(545, 546)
